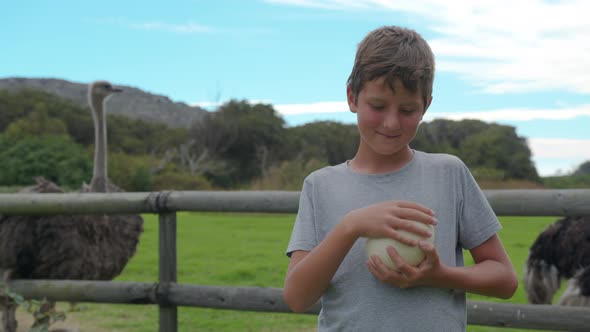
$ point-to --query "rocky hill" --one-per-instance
(133, 102)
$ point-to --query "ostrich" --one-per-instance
(82, 247)
(562, 251)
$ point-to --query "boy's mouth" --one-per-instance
(388, 135)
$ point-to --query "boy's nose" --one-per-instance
(391, 120)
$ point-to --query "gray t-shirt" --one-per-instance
(355, 299)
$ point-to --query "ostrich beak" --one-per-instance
(113, 89)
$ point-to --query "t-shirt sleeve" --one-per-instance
(304, 236)
(477, 220)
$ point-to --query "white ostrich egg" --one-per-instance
(411, 255)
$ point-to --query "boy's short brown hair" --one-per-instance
(394, 52)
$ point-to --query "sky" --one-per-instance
(520, 63)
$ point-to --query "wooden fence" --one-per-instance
(168, 295)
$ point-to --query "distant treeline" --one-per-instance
(238, 146)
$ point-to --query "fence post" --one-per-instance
(167, 270)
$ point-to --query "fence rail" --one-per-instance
(543, 317)
(519, 202)
(169, 295)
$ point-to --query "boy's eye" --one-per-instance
(408, 111)
(377, 107)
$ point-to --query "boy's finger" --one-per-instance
(428, 249)
(415, 206)
(394, 234)
(395, 258)
(417, 215)
(415, 228)
(379, 268)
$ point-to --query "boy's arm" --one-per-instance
(310, 272)
(492, 274)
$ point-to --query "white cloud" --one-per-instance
(515, 114)
(186, 28)
(325, 4)
(210, 105)
(553, 156)
(206, 104)
(501, 46)
(319, 107)
(560, 148)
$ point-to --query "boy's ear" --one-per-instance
(428, 102)
(350, 99)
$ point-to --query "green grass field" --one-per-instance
(245, 250)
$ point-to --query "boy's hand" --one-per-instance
(408, 276)
(382, 220)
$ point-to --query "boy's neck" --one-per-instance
(371, 163)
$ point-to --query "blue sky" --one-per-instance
(521, 63)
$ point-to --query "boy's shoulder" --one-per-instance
(326, 172)
(440, 159)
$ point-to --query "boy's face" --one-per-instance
(387, 120)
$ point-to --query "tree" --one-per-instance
(36, 123)
(499, 147)
(327, 141)
(259, 137)
(445, 136)
(583, 169)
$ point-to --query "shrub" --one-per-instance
(57, 158)
(180, 181)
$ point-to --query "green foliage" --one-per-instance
(141, 179)
(124, 134)
(567, 181)
(180, 181)
(131, 173)
(258, 143)
(44, 314)
(328, 141)
(583, 169)
(498, 147)
(140, 137)
(27, 117)
(289, 175)
(56, 158)
(488, 174)
(446, 136)
(36, 123)
(482, 146)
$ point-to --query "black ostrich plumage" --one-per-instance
(83, 247)
(561, 251)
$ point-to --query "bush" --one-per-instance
(57, 158)
(289, 175)
(567, 181)
(141, 179)
(488, 174)
(180, 181)
(131, 173)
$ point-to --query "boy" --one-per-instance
(376, 193)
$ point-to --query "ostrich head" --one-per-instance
(98, 92)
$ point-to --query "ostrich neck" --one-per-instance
(99, 176)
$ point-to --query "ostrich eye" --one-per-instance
(107, 86)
